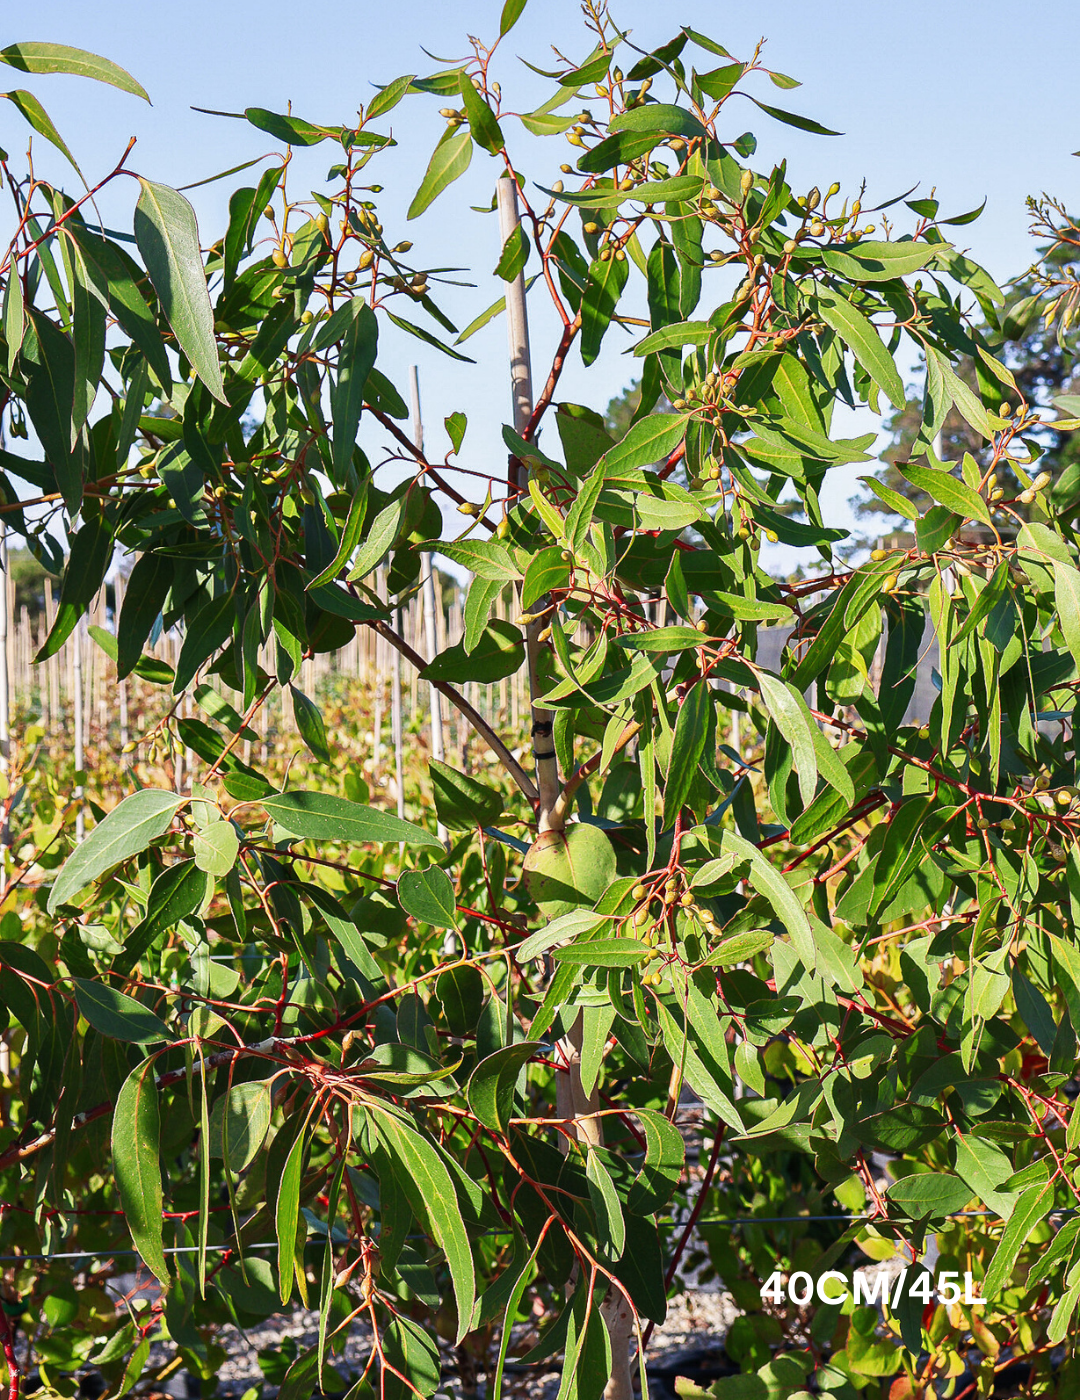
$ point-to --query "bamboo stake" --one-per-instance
(395, 722)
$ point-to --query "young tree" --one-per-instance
(444, 1082)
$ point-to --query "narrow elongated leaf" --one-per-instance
(128, 829)
(210, 628)
(687, 747)
(40, 120)
(168, 239)
(117, 1015)
(661, 117)
(61, 58)
(948, 490)
(287, 1215)
(1067, 602)
(766, 880)
(356, 357)
(598, 303)
(606, 1204)
(1034, 1205)
(783, 706)
(382, 534)
(321, 816)
(668, 337)
(136, 1133)
(648, 441)
(860, 336)
(449, 160)
(482, 120)
(665, 1154)
(426, 1182)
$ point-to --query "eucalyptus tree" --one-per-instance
(444, 1082)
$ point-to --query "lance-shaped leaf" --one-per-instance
(356, 357)
(136, 1134)
(320, 816)
(1034, 1205)
(648, 441)
(116, 1015)
(947, 490)
(665, 1154)
(426, 1181)
(40, 120)
(128, 829)
(795, 726)
(687, 747)
(860, 335)
(450, 159)
(598, 303)
(606, 1204)
(168, 239)
(61, 58)
(482, 120)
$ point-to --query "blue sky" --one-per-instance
(940, 94)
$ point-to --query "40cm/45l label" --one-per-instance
(879, 1289)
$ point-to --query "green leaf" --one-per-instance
(128, 829)
(216, 848)
(430, 1191)
(687, 748)
(1032, 1207)
(428, 896)
(136, 1134)
(60, 58)
(482, 120)
(356, 358)
(499, 652)
(860, 336)
(619, 149)
(320, 816)
(1067, 603)
(793, 119)
(456, 424)
(898, 504)
(766, 880)
(40, 120)
(512, 259)
(668, 337)
(648, 441)
(209, 629)
(461, 801)
(491, 1085)
(294, 131)
(117, 1015)
(389, 96)
(797, 729)
(380, 537)
(168, 239)
(598, 303)
(175, 894)
(603, 952)
(870, 261)
(933, 1194)
(309, 722)
(460, 992)
(511, 13)
(450, 159)
(946, 489)
(350, 538)
(239, 1122)
(665, 1155)
(14, 317)
(605, 1202)
(287, 1215)
(985, 1169)
(661, 117)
